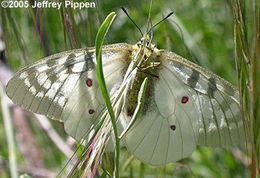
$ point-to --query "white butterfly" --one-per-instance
(184, 104)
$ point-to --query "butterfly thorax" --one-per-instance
(145, 56)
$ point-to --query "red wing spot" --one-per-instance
(89, 82)
(91, 111)
(184, 99)
(173, 127)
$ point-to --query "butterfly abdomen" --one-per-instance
(133, 93)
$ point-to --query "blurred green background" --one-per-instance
(203, 34)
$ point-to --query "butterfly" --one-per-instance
(183, 105)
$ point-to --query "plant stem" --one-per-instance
(9, 134)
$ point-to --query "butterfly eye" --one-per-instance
(89, 82)
(173, 127)
(91, 111)
(184, 99)
(144, 42)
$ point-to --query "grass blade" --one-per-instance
(101, 81)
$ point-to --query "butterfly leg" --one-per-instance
(151, 65)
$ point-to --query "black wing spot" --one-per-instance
(212, 87)
(193, 79)
(173, 127)
(69, 64)
(91, 111)
(89, 61)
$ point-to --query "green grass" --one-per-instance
(102, 84)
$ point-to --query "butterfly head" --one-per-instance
(146, 41)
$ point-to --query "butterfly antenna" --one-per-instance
(160, 21)
(132, 20)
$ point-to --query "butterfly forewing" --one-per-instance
(64, 86)
(217, 100)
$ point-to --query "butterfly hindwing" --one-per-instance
(189, 106)
(64, 86)
(160, 135)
